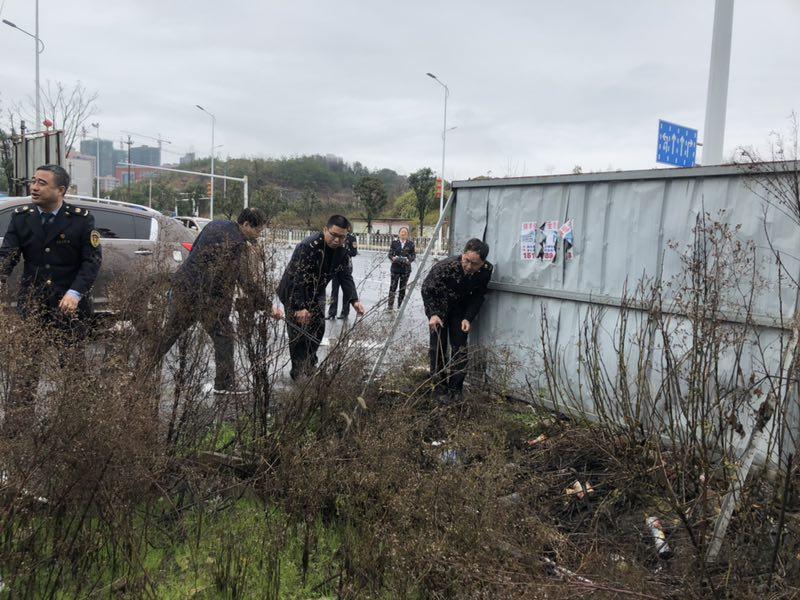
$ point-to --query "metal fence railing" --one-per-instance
(366, 241)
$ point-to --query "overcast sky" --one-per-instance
(535, 86)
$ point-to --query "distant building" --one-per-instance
(392, 226)
(136, 173)
(89, 147)
(146, 155)
(120, 156)
(108, 183)
(189, 157)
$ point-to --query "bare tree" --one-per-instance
(69, 108)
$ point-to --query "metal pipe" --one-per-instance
(444, 144)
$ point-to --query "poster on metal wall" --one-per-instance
(566, 235)
(550, 230)
(527, 240)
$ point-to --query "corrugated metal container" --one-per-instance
(625, 227)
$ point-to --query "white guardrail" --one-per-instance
(366, 241)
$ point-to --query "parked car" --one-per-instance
(193, 223)
(141, 247)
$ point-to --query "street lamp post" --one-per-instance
(39, 48)
(97, 158)
(213, 126)
(444, 144)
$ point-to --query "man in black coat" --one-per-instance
(203, 288)
(61, 253)
(61, 258)
(453, 293)
(315, 261)
(351, 245)
(402, 254)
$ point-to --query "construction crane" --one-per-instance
(158, 139)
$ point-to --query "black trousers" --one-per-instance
(335, 285)
(216, 321)
(304, 341)
(402, 279)
(448, 369)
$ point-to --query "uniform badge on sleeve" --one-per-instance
(94, 238)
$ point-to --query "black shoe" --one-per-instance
(331, 317)
(343, 316)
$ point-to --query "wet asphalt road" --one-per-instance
(372, 278)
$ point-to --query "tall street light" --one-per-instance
(213, 126)
(39, 48)
(444, 144)
(97, 157)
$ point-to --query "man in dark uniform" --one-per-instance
(315, 261)
(61, 254)
(203, 288)
(351, 245)
(402, 254)
(453, 294)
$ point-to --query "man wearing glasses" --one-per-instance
(315, 261)
(453, 294)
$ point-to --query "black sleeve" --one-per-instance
(344, 276)
(301, 273)
(476, 298)
(391, 250)
(412, 251)
(91, 259)
(434, 293)
(348, 285)
(10, 251)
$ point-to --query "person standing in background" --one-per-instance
(351, 246)
(402, 254)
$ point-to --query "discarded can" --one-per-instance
(578, 490)
(535, 442)
(659, 537)
(448, 455)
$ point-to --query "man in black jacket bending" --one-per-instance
(315, 261)
(203, 289)
(453, 294)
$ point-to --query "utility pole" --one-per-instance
(38, 87)
(97, 158)
(225, 184)
(158, 140)
(129, 142)
(718, 74)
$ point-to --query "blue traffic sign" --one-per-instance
(677, 145)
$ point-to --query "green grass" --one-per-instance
(243, 551)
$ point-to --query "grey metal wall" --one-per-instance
(624, 227)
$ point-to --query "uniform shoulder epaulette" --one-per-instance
(23, 209)
(76, 210)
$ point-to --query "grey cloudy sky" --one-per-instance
(535, 86)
